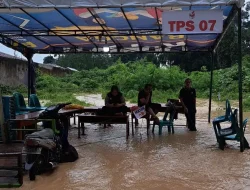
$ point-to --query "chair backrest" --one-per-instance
(234, 121)
(245, 125)
(19, 99)
(228, 110)
(244, 128)
(34, 101)
(16, 99)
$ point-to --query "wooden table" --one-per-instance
(35, 115)
(163, 108)
(103, 120)
(71, 113)
(31, 115)
(95, 109)
(29, 119)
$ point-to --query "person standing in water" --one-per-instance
(188, 100)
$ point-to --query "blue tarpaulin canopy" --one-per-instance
(63, 26)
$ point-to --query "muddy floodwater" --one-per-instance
(181, 161)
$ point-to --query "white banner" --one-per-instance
(192, 22)
(140, 112)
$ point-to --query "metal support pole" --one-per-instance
(240, 82)
(211, 86)
(29, 57)
(29, 78)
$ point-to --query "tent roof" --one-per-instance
(80, 27)
(115, 3)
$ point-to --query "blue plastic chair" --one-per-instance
(169, 123)
(227, 115)
(226, 131)
(34, 102)
(20, 105)
(234, 137)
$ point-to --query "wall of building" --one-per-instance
(14, 72)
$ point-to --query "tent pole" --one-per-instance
(240, 82)
(211, 86)
(29, 57)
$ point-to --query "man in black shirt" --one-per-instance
(144, 98)
(188, 99)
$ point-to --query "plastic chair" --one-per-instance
(169, 123)
(226, 131)
(20, 106)
(234, 137)
(34, 102)
(227, 115)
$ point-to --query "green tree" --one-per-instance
(49, 60)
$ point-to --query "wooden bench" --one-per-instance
(103, 120)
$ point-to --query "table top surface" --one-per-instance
(96, 108)
(31, 115)
(35, 115)
(104, 116)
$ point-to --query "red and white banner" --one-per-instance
(192, 22)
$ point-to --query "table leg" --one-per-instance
(127, 130)
(79, 129)
(74, 118)
(83, 128)
(133, 130)
(69, 121)
(19, 133)
(132, 121)
(148, 124)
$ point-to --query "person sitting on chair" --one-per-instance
(144, 99)
(188, 100)
(115, 103)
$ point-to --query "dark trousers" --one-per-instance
(64, 130)
(191, 119)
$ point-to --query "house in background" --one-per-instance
(14, 70)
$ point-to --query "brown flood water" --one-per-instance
(181, 161)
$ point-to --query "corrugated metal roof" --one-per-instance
(10, 56)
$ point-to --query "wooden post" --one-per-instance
(2, 119)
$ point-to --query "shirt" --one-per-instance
(142, 94)
(188, 96)
(110, 99)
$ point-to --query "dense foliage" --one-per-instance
(132, 76)
(167, 81)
